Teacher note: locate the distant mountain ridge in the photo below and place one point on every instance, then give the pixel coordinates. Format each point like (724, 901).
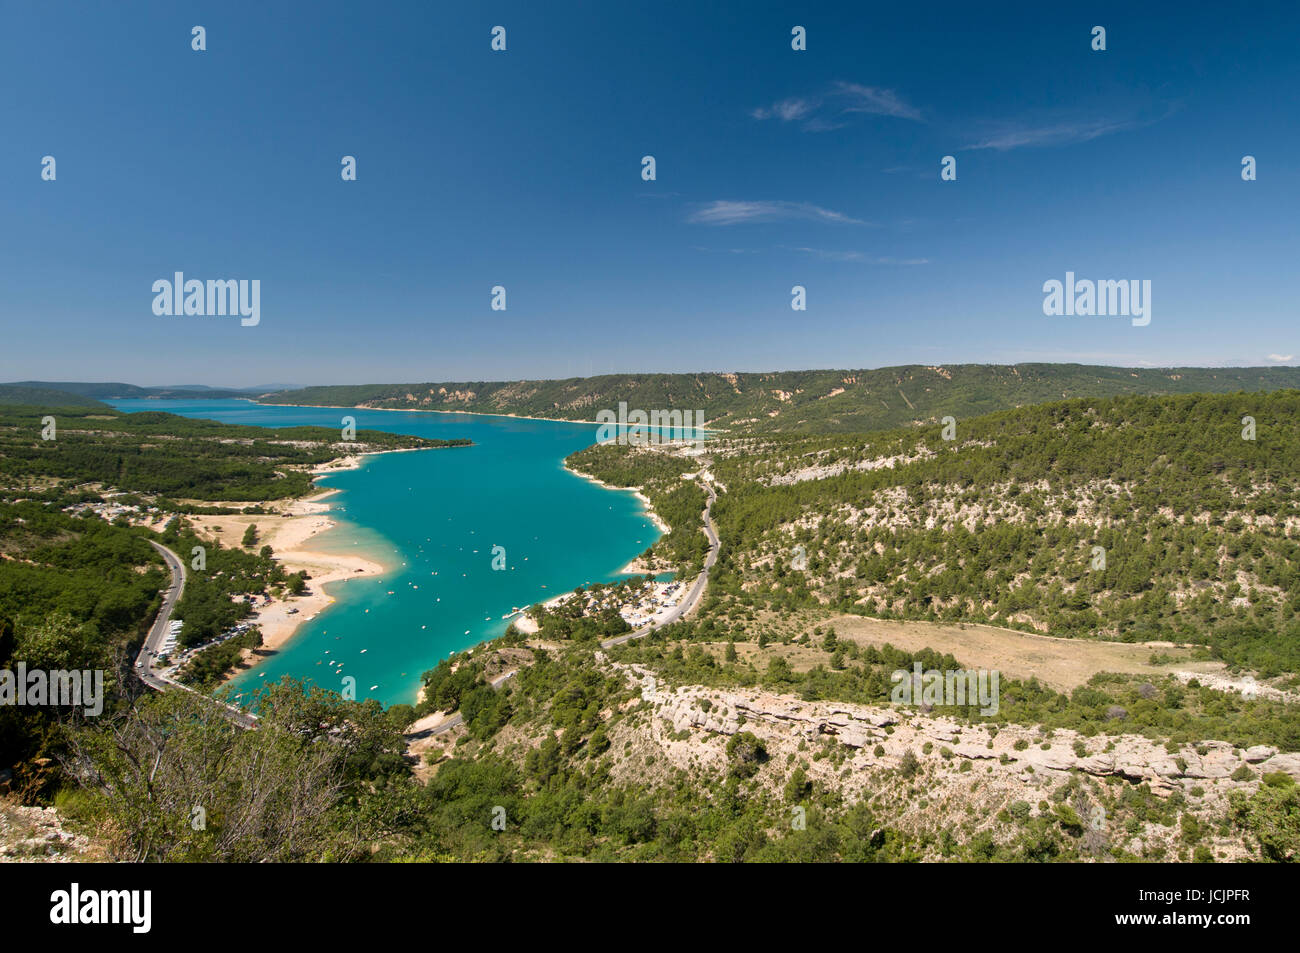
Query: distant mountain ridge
(802, 401)
(121, 391)
(45, 397)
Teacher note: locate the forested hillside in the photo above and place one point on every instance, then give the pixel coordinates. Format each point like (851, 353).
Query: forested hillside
(118, 391)
(172, 456)
(1127, 518)
(823, 401)
(45, 397)
(79, 582)
(1171, 519)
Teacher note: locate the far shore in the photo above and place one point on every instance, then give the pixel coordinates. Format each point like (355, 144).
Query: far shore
(422, 410)
(435, 410)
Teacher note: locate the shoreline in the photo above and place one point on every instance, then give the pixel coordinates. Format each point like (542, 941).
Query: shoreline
(525, 624)
(278, 627)
(646, 506)
(434, 410)
(424, 410)
(288, 531)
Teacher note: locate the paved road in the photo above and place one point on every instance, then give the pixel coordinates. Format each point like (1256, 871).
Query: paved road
(697, 588)
(457, 718)
(153, 641)
(149, 672)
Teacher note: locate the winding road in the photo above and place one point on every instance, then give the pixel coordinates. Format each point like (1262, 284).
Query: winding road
(158, 633)
(146, 660)
(701, 582)
(458, 719)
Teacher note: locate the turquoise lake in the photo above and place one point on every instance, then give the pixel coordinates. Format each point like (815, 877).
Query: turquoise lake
(433, 517)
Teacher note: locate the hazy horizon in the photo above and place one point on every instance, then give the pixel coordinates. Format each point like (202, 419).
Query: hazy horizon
(737, 370)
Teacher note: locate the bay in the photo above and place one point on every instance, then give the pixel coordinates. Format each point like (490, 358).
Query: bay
(432, 518)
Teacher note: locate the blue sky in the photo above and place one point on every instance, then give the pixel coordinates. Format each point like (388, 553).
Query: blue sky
(522, 169)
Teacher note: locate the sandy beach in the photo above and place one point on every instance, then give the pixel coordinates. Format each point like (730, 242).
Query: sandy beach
(640, 566)
(289, 531)
(289, 528)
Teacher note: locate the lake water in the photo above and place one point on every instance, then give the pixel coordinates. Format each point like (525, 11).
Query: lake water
(434, 518)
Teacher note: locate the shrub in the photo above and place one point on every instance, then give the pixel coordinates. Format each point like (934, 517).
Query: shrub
(747, 754)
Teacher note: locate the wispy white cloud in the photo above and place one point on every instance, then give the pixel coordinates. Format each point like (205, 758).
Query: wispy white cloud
(862, 257)
(741, 213)
(786, 109)
(1020, 134)
(1281, 358)
(829, 110)
(875, 101)
(1055, 135)
(913, 171)
(818, 124)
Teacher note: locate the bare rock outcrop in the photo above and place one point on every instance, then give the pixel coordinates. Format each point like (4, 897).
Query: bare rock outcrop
(1012, 748)
(36, 834)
